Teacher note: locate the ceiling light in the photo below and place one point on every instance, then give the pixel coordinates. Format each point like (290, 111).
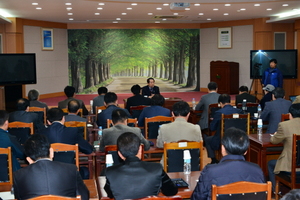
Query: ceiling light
(38, 8)
(134, 4)
(208, 18)
(123, 13)
(187, 9)
(129, 8)
(157, 22)
(101, 4)
(166, 4)
(97, 13)
(243, 9)
(164, 19)
(227, 4)
(158, 8)
(257, 4)
(269, 9)
(201, 14)
(197, 4)
(150, 13)
(285, 4)
(35, 4)
(118, 18)
(99, 8)
(69, 8)
(68, 4)
(70, 13)
(175, 13)
(115, 22)
(295, 9)
(288, 14)
(226, 14)
(71, 19)
(215, 9)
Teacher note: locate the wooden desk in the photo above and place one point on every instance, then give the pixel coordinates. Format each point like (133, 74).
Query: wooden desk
(261, 150)
(92, 187)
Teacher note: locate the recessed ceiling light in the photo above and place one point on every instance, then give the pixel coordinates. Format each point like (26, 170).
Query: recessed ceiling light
(164, 19)
(97, 13)
(165, 4)
(34, 4)
(69, 8)
(226, 14)
(227, 4)
(101, 4)
(157, 22)
(123, 13)
(197, 4)
(215, 9)
(208, 18)
(269, 9)
(118, 18)
(201, 14)
(134, 4)
(70, 13)
(129, 8)
(175, 13)
(257, 4)
(71, 19)
(38, 8)
(158, 8)
(187, 9)
(99, 8)
(115, 22)
(243, 9)
(285, 4)
(68, 4)
(150, 13)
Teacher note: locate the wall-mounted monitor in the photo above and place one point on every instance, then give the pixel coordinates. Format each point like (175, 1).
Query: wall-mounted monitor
(17, 69)
(286, 62)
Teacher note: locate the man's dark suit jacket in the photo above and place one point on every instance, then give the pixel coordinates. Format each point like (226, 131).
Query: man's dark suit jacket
(137, 100)
(106, 114)
(49, 177)
(146, 91)
(58, 133)
(38, 104)
(239, 98)
(64, 104)
(136, 179)
(28, 117)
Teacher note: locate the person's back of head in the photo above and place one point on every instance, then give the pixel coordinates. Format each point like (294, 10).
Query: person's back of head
(33, 95)
(118, 115)
(102, 90)
(136, 89)
(128, 144)
(73, 106)
(110, 97)
(292, 195)
(235, 141)
(37, 146)
(212, 86)
(3, 117)
(181, 108)
(157, 100)
(224, 98)
(243, 88)
(55, 114)
(22, 104)
(278, 93)
(295, 110)
(69, 91)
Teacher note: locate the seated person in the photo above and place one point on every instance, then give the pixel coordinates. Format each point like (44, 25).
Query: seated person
(150, 90)
(111, 103)
(243, 94)
(268, 95)
(212, 143)
(232, 167)
(73, 108)
(137, 99)
(8, 140)
(99, 100)
(33, 97)
(292, 195)
(119, 120)
(284, 134)
(156, 109)
(70, 93)
(44, 176)
(135, 178)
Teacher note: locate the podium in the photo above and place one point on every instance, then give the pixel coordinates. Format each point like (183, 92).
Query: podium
(226, 75)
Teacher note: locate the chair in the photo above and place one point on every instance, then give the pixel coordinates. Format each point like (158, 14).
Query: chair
(65, 153)
(212, 108)
(98, 110)
(242, 190)
(135, 111)
(129, 121)
(173, 155)
(169, 102)
(241, 121)
(41, 113)
(291, 180)
(78, 125)
(6, 175)
(54, 197)
(160, 198)
(21, 130)
(80, 113)
(151, 130)
(251, 108)
(285, 117)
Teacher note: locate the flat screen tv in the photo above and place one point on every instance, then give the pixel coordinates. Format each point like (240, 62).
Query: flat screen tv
(286, 62)
(17, 69)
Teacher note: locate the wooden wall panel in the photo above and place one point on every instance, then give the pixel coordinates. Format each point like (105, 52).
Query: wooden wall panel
(263, 40)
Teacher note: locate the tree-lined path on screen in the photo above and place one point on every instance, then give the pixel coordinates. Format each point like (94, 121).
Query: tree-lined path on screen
(123, 85)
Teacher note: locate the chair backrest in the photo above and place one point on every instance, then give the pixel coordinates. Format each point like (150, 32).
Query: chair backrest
(242, 190)
(170, 102)
(78, 124)
(129, 122)
(21, 130)
(212, 108)
(251, 107)
(80, 113)
(295, 158)
(285, 117)
(54, 197)
(41, 113)
(6, 176)
(135, 111)
(66, 153)
(173, 155)
(241, 121)
(160, 198)
(98, 110)
(151, 130)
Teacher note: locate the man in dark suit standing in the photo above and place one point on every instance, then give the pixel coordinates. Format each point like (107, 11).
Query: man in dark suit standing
(243, 94)
(273, 109)
(137, 99)
(150, 89)
(44, 176)
(212, 143)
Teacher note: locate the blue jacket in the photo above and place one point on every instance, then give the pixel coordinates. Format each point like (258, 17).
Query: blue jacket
(153, 111)
(275, 79)
(232, 168)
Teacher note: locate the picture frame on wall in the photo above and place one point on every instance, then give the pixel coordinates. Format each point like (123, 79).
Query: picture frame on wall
(225, 38)
(47, 39)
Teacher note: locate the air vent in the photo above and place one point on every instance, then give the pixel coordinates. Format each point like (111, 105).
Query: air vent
(168, 16)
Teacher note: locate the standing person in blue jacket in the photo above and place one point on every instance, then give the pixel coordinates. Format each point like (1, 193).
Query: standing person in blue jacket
(272, 75)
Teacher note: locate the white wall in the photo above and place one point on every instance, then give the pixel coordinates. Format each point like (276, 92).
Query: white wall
(242, 43)
(52, 66)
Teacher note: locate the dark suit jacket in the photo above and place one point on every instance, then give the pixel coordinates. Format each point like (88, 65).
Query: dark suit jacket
(266, 98)
(239, 98)
(136, 179)
(38, 104)
(64, 104)
(272, 113)
(73, 117)
(106, 114)
(146, 91)
(58, 133)
(153, 111)
(232, 168)
(49, 177)
(137, 100)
